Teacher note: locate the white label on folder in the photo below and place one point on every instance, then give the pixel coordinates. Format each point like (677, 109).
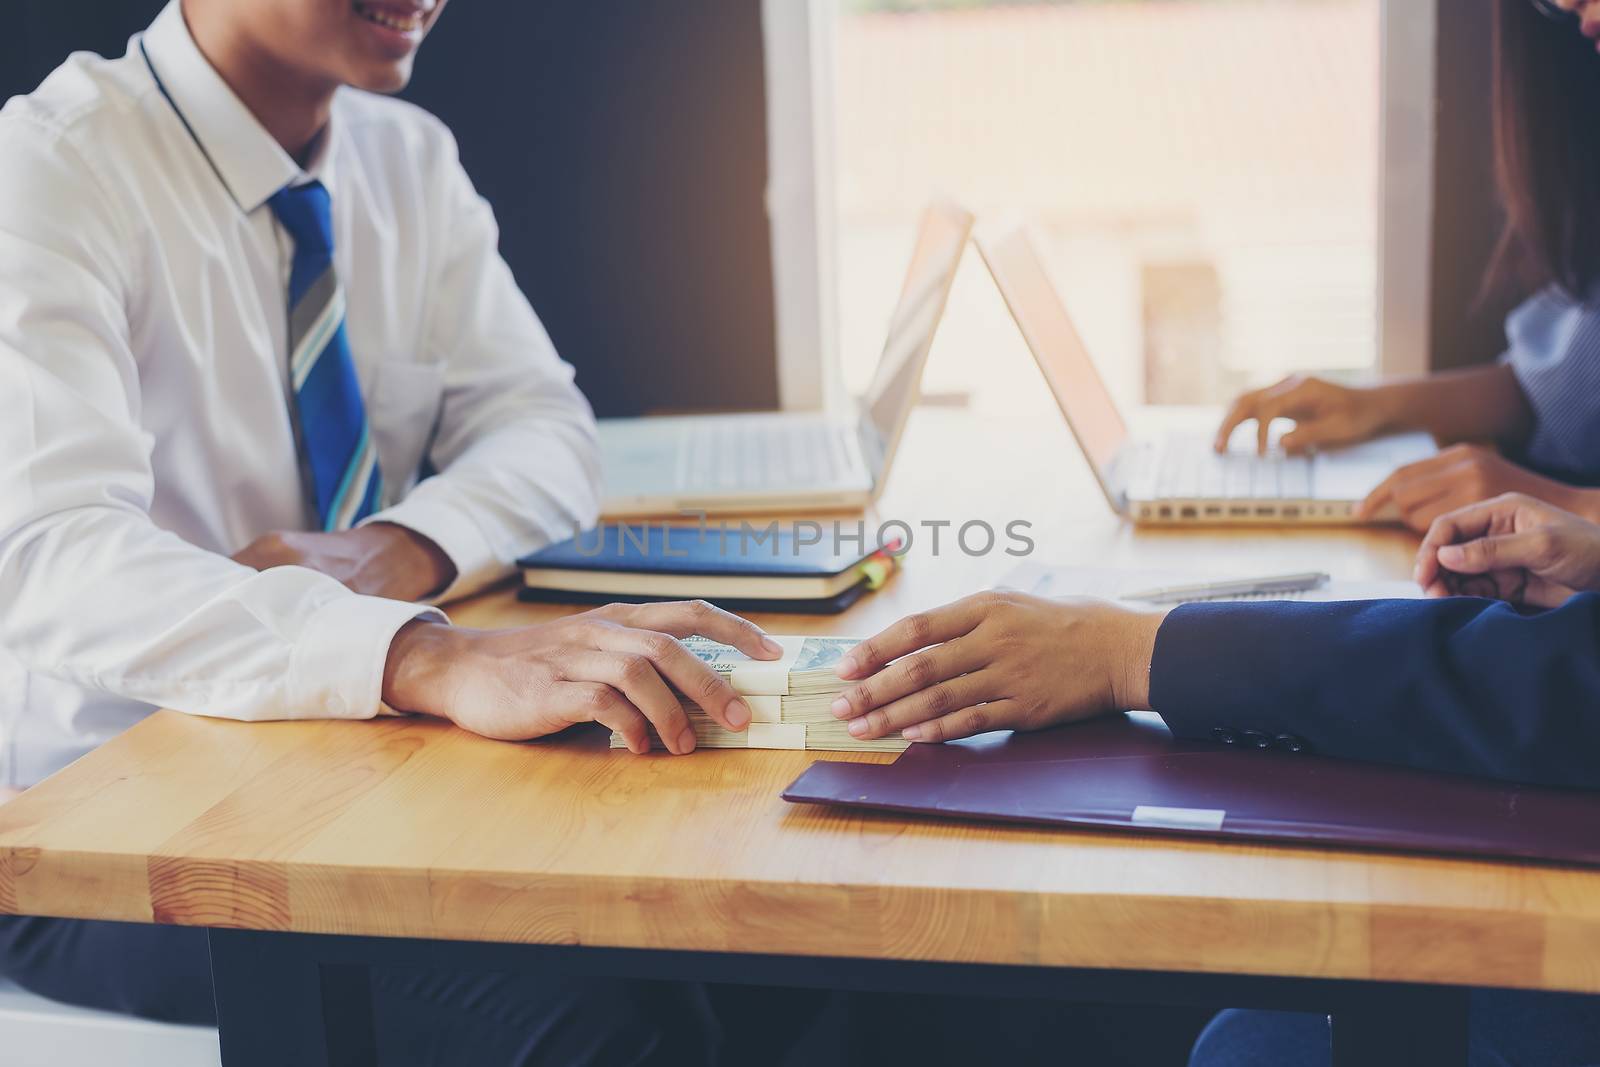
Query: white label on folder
(1179, 818)
(765, 708)
(776, 735)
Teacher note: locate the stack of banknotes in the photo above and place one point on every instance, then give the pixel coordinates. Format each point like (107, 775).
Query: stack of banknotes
(790, 699)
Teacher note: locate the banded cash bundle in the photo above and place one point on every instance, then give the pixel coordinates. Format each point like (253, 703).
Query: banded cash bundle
(789, 699)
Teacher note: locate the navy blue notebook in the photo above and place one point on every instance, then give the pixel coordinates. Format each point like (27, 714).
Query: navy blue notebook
(772, 568)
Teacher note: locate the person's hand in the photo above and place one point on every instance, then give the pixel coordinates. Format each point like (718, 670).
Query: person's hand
(612, 665)
(379, 559)
(1511, 548)
(1457, 476)
(1324, 414)
(998, 660)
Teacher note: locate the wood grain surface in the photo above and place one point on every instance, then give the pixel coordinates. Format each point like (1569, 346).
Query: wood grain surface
(407, 827)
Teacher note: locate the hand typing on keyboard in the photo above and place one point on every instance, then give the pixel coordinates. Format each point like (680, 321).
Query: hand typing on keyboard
(1324, 414)
(1466, 474)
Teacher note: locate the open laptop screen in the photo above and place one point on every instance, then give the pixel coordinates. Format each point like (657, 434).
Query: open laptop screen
(941, 239)
(1060, 352)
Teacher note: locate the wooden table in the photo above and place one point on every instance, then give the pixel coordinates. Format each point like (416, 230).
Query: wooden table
(407, 839)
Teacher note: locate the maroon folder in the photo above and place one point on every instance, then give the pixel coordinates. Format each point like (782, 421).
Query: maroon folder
(1129, 773)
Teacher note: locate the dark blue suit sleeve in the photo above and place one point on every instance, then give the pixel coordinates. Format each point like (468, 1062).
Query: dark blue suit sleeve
(1460, 685)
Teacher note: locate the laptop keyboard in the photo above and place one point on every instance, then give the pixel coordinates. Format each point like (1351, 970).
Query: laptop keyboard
(1190, 470)
(755, 454)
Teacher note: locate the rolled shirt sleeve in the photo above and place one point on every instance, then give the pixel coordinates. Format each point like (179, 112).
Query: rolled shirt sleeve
(1554, 351)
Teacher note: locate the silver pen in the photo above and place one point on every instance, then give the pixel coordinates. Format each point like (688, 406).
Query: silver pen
(1234, 587)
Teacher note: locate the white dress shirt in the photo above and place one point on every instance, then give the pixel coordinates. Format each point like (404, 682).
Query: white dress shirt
(145, 429)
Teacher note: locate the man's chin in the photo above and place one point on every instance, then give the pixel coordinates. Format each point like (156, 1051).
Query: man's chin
(383, 77)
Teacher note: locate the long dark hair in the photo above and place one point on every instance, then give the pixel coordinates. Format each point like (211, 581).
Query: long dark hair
(1547, 151)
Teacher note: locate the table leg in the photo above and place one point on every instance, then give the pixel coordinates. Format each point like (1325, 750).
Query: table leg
(1410, 1027)
(276, 1004)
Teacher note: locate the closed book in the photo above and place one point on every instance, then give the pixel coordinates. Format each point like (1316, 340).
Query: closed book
(764, 566)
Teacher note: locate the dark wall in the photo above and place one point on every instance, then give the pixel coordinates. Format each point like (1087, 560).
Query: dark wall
(41, 33)
(623, 146)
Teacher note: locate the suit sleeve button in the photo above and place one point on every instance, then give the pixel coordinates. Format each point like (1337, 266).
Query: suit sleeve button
(1290, 743)
(1224, 735)
(1256, 739)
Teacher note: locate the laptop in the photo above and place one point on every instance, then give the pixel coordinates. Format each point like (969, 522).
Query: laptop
(792, 461)
(1178, 477)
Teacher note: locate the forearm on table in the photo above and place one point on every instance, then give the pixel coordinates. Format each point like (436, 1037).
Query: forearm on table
(1475, 404)
(102, 598)
(413, 565)
(517, 489)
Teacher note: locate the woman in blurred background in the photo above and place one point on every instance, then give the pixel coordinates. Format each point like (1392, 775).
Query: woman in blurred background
(1540, 405)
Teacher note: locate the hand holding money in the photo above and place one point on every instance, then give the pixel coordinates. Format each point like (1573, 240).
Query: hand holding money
(620, 665)
(789, 698)
(998, 661)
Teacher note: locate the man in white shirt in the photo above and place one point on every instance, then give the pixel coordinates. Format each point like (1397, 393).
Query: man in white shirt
(264, 382)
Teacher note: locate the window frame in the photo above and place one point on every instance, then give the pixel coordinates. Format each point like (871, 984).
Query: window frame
(1408, 124)
(799, 41)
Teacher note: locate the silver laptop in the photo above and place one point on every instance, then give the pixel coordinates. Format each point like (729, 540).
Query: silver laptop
(778, 461)
(1178, 478)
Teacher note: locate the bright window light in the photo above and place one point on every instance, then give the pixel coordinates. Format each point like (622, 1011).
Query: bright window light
(1202, 176)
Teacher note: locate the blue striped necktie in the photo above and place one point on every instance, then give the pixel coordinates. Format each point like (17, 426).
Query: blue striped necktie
(337, 448)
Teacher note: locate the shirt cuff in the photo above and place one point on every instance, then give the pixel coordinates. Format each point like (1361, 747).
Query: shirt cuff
(1226, 667)
(1182, 662)
(1200, 682)
(336, 669)
(445, 524)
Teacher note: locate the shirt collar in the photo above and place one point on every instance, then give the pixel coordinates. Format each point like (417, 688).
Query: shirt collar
(250, 163)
